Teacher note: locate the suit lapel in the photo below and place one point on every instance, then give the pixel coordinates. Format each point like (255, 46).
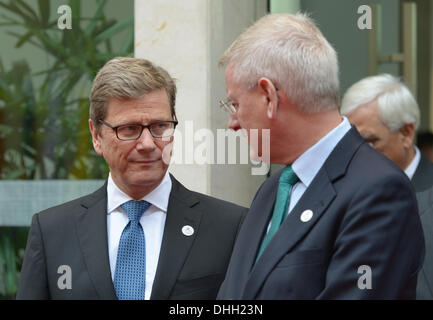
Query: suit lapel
(316, 198)
(257, 224)
(91, 224)
(423, 175)
(249, 239)
(418, 176)
(175, 245)
(291, 231)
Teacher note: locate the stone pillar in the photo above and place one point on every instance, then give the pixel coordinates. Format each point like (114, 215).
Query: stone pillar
(187, 38)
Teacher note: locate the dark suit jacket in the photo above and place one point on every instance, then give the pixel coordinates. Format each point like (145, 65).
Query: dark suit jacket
(75, 234)
(423, 176)
(424, 288)
(364, 214)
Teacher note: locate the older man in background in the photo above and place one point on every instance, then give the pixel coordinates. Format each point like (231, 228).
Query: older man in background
(387, 116)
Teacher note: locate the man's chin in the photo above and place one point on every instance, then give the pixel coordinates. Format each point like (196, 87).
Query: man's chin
(145, 180)
(139, 187)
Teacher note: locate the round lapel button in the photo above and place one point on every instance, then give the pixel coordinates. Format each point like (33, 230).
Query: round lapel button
(187, 230)
(306, 215)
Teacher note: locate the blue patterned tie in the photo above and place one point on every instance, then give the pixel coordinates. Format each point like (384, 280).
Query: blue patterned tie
(130, 274)
(287, 179)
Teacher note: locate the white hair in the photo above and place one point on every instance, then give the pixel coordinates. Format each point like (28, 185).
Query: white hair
(395, 102)
(291, 51)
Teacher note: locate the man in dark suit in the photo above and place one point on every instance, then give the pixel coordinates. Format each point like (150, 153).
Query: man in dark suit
(340, 221)
(142, 235)
(387, 116)
(424, 290)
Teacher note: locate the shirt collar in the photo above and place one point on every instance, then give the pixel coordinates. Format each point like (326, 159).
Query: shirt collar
(158, 197)
(309, 163)
(411, 168)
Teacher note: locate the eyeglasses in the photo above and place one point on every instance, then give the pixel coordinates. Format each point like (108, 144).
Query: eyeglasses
(228, 105)
(158, 129)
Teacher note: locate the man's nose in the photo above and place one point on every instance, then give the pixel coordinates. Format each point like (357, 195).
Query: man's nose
(234, 122)
(146, 141)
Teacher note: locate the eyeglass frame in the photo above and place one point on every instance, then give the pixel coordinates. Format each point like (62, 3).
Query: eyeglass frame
(175, 123)
(227, 103)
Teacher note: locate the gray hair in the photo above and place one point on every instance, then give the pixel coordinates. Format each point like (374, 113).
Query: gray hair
(290, 50)
(128, 78)
(395, 102)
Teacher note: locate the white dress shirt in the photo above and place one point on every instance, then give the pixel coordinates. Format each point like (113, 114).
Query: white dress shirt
(152, 221)
(411, 168)
(308, 164)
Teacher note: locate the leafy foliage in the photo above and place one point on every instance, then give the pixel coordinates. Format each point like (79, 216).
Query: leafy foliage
(12, 243)
(43, 131)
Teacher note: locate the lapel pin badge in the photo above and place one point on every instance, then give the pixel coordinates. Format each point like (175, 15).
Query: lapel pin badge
(306, 215)
(187, 230)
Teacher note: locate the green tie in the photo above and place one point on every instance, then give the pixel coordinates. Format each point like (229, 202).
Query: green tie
(287, 179)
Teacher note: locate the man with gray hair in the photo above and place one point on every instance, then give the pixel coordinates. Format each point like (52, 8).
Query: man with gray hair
(339, 221)
(142, 235)
(387, 116)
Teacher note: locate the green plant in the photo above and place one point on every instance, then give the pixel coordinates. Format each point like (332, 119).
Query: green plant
(12, 243)
(43, 115)
(43, 130)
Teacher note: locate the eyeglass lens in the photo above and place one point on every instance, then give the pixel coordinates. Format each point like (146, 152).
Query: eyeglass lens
(158, 130)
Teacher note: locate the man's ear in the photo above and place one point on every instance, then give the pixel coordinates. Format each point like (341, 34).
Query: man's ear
(407, 134)
(96, 138)
(271, 96)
